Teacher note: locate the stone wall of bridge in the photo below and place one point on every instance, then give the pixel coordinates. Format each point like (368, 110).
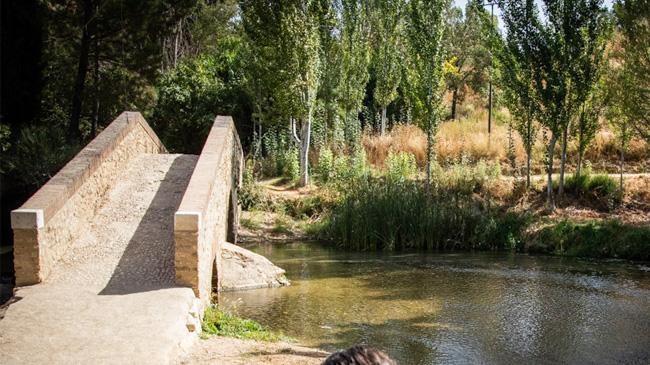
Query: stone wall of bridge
(208, 213)
(46, 225)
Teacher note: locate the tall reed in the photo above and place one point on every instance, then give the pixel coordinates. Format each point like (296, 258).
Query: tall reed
(387, 214)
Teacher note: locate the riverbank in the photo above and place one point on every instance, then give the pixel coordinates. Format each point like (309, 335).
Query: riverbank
(584, 225)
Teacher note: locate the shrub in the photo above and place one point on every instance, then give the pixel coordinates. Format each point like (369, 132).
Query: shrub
(325, 167)
(401, 166)
(601, 189)
(290, 163)
(250, 195)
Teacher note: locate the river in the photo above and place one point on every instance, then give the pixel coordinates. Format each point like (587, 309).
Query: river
(457, 308)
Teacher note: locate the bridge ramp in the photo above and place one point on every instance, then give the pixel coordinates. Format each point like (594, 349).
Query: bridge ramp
(112, 298)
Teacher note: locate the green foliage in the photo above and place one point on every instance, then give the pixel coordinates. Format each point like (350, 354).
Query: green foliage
(350, 169)
(599, 189)
(250, 195)
(39, 153)
(634, 23)
(189, 97)
(596, 239)
(221, 323)
(395, 215)
(291, 165)
(464, 178)
(355, 58)
(5, 144)
(387, 26)
(469, 54)
(400, 166)
(325, 167)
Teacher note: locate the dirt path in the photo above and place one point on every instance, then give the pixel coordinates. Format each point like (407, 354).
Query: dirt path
(231, 351)
(113, 298)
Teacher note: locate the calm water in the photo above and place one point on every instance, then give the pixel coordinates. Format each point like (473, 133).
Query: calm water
(462, 308)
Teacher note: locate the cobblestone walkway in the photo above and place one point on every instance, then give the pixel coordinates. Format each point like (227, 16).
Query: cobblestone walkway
(112, 300)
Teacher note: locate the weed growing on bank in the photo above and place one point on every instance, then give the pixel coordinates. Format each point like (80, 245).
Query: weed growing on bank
(221, 323)
(606, 239)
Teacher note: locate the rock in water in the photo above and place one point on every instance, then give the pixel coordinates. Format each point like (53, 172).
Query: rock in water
(243, 269)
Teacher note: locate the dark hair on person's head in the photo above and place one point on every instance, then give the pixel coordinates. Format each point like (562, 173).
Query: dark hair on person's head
(359, 355)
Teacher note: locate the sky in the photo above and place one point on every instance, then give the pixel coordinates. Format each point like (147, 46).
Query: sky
(461, 4)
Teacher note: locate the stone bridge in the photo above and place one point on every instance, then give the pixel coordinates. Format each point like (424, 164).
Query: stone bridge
(117, 255)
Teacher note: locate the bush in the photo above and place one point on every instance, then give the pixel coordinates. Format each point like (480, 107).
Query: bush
(400, 166)
(291, 164)
(325, 167)
(250, 195)
(601, 189)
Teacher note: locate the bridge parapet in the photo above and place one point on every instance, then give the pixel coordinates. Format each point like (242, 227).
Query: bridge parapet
(209, 206)
(46, 225)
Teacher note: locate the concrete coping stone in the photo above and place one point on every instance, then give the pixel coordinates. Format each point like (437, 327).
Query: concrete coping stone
(52, 196)
(197, 195)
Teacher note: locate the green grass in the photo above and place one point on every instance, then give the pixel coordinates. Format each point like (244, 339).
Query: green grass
(600, 189)
(281, 225)
(595, 239)
(221, 323)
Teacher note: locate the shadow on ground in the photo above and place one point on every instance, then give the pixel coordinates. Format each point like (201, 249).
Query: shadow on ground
(148, 261)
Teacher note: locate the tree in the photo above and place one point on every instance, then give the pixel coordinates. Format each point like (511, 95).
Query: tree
(589, 122)
(330, 51)
(469, 54)
(425, 31)
(515, 66)
(387, 24)
(355, 57)
(286, 32)
(566, 48)
(634, 24)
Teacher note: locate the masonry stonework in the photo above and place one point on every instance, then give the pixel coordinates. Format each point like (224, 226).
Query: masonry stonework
(46, 225)
(201, 223)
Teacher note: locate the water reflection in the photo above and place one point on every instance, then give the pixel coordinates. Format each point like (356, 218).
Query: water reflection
(457, 308)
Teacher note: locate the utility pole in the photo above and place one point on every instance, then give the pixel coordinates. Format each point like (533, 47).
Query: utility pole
(491, 4)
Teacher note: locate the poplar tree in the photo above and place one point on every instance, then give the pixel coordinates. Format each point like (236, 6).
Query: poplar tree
(634, 24)
(387, 30)
(426, 59)
(355, 58)
(565, 48)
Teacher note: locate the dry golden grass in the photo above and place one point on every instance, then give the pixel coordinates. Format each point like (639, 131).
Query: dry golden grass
(463, 140)
(467, 140)
(403, 138)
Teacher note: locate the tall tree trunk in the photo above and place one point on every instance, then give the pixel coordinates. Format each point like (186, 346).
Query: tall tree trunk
(621, 166)
(581, 147)
(549, 169)
(95, 122)
(429, 155)
(74, 134)
(565, 133)
(383, 120)
(529, 146)
(622, 158)
(305, 135)
(454, 101)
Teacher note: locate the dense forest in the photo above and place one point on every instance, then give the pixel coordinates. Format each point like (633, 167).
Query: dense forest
(310, 80)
